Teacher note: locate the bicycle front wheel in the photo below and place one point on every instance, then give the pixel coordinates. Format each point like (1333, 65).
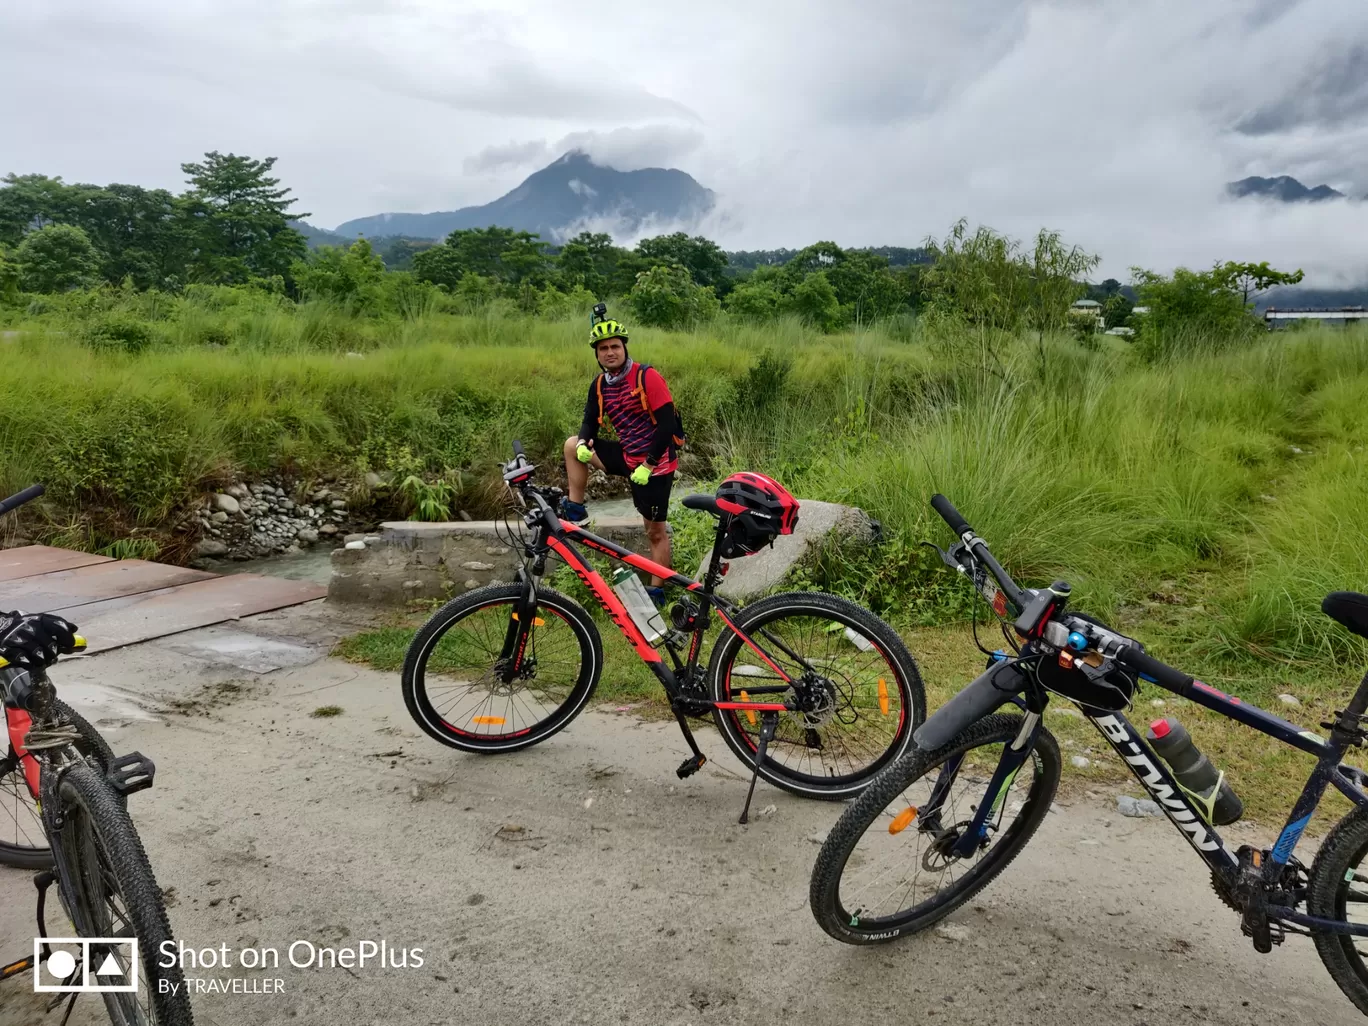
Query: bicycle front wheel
(113, 894)
(455, 678)
(856, 688)
(23, 844)
(1338, 889)
(888, 869)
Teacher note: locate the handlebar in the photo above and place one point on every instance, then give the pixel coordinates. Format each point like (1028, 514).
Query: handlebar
(1161, 673)
(517, 448)
(978, 548)
(19, 498)
(950, 515)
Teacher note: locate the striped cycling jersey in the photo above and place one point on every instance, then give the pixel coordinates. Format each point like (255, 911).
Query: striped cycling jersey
(634, 427)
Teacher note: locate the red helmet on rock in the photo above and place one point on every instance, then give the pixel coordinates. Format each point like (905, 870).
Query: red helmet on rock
(761, 509)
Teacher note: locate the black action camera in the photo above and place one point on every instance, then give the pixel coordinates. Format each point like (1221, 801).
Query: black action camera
(600, 313)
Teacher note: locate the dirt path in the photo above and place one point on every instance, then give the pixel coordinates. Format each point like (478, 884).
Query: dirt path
(580, 882)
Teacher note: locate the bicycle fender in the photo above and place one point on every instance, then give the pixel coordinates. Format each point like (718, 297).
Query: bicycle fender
(996, 685)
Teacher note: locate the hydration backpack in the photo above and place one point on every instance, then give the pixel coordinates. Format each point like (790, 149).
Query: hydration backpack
(638, 389)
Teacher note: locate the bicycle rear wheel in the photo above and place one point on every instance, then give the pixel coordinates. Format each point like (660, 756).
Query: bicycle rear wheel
(453, 678)
(857, 688)
(113, 894)
(1338, 889)
(886, 868)
(23, 843)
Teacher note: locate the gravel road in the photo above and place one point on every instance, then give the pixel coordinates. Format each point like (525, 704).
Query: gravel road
(580, 882)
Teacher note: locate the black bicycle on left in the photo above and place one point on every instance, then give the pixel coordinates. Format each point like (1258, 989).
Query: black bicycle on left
(63, 811)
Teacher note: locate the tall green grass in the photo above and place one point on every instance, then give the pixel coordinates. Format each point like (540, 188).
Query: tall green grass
(1170, 494)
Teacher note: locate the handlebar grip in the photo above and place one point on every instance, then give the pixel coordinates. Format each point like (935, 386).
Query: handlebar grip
(1162, 673)
(19, 498)
(517, 448)
(950, 515)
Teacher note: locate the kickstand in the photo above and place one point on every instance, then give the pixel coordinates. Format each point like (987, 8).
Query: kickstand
(769, 723)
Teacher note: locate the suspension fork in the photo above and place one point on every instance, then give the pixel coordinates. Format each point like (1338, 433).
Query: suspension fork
(524, 616)
(1014, 756)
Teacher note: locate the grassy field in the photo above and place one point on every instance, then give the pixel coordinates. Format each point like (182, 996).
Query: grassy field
(1204, 503)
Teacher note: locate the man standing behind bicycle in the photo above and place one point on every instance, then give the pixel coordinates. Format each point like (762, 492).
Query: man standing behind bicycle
(634, 399)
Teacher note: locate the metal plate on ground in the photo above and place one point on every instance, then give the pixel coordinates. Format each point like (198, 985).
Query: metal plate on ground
(116, 622)
(114, 578)
(32, 560)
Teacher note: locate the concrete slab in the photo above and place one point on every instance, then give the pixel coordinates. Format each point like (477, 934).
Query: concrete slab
(32, 560)
(126, 620)
(221, 646)
(113, 578)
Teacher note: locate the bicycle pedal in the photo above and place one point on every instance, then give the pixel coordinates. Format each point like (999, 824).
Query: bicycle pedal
(691, 765)
(131, 772)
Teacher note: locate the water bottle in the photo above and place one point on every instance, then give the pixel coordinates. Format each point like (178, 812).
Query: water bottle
(1194, 771)
(639, 605)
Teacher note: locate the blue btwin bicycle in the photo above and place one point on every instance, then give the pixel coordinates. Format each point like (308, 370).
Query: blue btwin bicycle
(950, 815)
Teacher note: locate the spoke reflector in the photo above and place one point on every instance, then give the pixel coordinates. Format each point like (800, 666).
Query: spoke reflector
(749, 715)
(493, 721)
(883, 696)
(902, 819)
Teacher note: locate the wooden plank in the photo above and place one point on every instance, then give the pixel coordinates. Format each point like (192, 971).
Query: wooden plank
(129, 619)
(68, 589)
(32, 560)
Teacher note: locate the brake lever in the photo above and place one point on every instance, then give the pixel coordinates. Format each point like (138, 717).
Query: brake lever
(946, 558)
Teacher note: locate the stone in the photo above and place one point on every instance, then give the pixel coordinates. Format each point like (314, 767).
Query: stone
(373, 480)
(354, 537)
(219, 517)
(293, 550)
(1137, 808)
(953, 932)
(471, 584)
(480, 567)
(465, 516)
(320, 495)
(226, 503)
(358, 544)
(1158, 703)
(327, 530)
(287, 504)
(497, 550)
(1079, 762)
(308, 536)
(338, 504)
(1290, 701)
(237, 491)
(210, 547)
(818, 523)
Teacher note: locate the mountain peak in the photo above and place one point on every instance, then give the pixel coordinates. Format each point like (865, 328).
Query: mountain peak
(557, 200)
(1284, 189)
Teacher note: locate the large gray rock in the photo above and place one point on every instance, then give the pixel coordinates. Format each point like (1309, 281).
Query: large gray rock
(414, 560)
(210, 547)
(819, 523)
(226, 503)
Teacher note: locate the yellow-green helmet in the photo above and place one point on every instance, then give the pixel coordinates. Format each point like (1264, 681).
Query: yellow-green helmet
(605, 330)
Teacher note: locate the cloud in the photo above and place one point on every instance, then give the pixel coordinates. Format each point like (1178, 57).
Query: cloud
(878, 121)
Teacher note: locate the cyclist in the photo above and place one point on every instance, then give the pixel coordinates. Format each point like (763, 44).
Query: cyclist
(32, 641)
(635, 400)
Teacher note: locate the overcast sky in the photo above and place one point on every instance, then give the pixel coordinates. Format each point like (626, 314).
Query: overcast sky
(868, 122)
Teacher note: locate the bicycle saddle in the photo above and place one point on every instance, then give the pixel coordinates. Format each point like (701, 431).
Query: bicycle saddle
(707, 503)
(1347, 608)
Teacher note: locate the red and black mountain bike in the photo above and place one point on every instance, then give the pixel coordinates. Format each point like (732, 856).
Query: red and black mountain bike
(813, 692)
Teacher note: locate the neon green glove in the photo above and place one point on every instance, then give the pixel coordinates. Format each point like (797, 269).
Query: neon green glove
(641, 475)
(583, 453)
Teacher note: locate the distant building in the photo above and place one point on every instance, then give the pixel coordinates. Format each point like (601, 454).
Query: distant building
(1089, 308)
(1275, 317)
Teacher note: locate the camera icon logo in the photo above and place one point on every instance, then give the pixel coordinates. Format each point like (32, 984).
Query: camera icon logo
(86, 965)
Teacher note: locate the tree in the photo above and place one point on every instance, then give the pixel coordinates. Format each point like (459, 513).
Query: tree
(977, 279)
(590, 259)
(32, 201)
(814, 300)
(702, 258)
(1054, 276)
(1116, 310)
(9, 279)
(1190, 310)
(758, 298)
(354, 276)
(666, 297)
(57, 258)
(240, 219)
(1253, 280)
(501, 254)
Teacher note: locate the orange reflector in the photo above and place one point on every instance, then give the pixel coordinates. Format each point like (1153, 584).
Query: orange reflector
(537, 621)
(883, 696)
(902, 819)
(749, 715)
(493, 721)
